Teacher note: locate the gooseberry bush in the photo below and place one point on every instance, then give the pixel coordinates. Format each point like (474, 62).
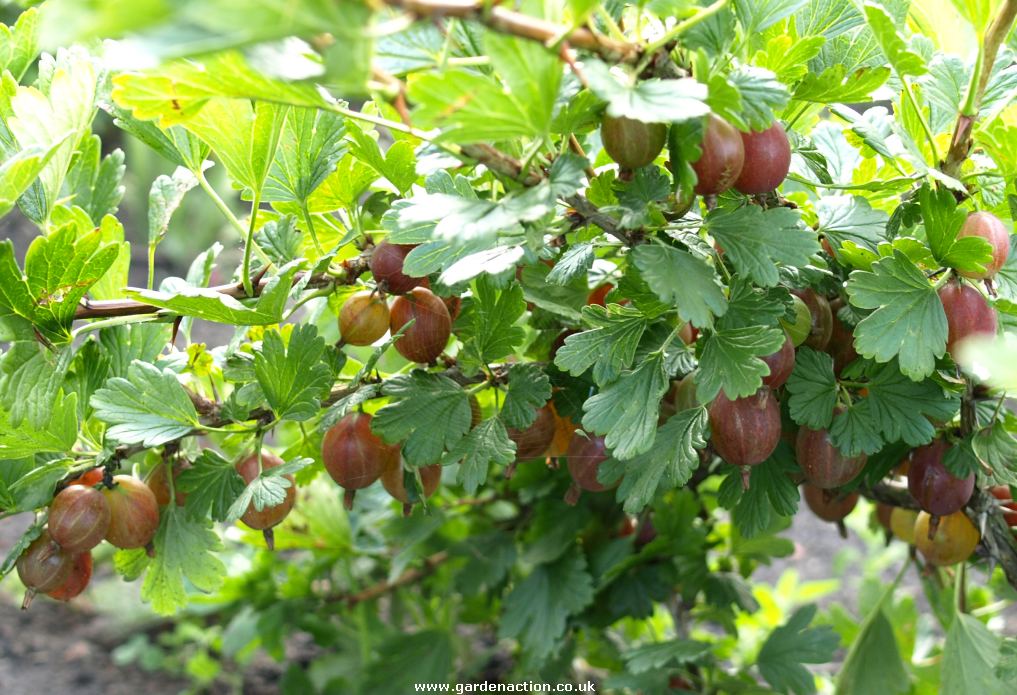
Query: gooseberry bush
(541, 322)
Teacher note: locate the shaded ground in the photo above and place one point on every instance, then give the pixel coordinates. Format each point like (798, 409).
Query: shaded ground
(54, 648)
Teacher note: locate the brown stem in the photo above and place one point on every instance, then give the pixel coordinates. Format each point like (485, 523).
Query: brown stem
(111, 308)
(995, 35)
(410, 576)
(524, 26)
(588, 212)
(500, 163)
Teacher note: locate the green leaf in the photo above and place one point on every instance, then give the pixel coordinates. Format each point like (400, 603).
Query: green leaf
(683, 280)
(874, 662)
(944, 89)
(309, 147)
(149, 407)
(531, 72)
(528, 389)
(1006, 669)
(730, 361)
(978, 12)
(943, 219)
(164, 198)
(111, 285)
(489, 113)
(566, 301)
(960, 459)
(789, 646)
(488, 559)
(853, 431)
(850, 218)
(398, 164)
(19, 45)
(178, 90)
(19, 171)
(280, 239)
(487, 324)
(207, 304)
(908, 321)
(485, 444)
(750, 306)
(904, 61)
(660, 654)
(212, 484)
(669, 464)
(901, 408)
(609, 347)
(771, 493)
(460, 218)
(762, 96)
(139, 341)
(574, 263)
(969, 658)
(184, 549)
(428, 413)
(626, 410)
(536, 610)
(59, 270)
(757, 241)
(31, 376)
(650, 101)
(294, 376)
(243, 134)
(756, 16)
(267, 490)
(639, 199)
(812, 388)
(33, 532)
(94, 183)
(788, 57)
(838, 84)
(996, 447)
(53, 119)
(30, 483)
(405, 660)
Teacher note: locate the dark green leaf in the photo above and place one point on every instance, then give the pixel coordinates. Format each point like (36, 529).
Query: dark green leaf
(793, 644)
(757, 241)
(730, 361)
(813, 389)
(428, 413)
(626, 410)
(528, 389)
(485, 444)
(536, 610)
(212, 484)
(650, 101)
(149, 407)
(683, 280)
(293, 376)
(908, 321)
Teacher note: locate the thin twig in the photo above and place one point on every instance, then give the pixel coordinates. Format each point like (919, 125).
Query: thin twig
(524, 26)
(410, 576)
(995, 35)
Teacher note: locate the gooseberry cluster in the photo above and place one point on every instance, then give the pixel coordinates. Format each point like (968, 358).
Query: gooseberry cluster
(424, 318)
(81, 516)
